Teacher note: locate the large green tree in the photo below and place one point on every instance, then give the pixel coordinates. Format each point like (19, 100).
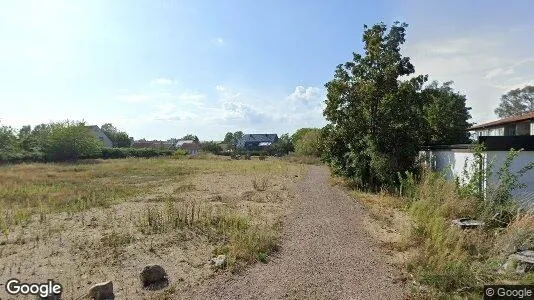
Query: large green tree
(375, 114)
(70, 141)
(446, 114)
(516, 102)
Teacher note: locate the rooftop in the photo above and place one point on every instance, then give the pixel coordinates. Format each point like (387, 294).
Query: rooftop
(507, 120)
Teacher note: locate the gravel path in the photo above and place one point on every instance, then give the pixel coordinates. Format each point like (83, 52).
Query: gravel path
(325, 254)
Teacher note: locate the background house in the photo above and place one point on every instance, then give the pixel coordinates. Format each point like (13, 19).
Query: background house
(498, 137)
(511, 126)
(192, 147)
(100, 135)
(251, 142)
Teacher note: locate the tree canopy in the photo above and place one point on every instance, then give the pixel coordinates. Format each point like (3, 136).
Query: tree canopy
(191, 137)
(446, 115)
(375, 117)
(516, 102)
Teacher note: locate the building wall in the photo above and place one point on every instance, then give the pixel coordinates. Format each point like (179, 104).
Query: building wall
(101, 136)
(453, 162)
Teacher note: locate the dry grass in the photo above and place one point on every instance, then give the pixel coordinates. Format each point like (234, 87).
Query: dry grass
(446, 262)
(87, 223)
(303, 159)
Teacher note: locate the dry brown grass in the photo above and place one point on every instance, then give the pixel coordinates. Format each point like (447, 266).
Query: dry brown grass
(86, 223)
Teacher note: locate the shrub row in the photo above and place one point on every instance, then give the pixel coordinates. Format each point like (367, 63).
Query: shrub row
(19, 157)
(134, 152)
(24, 156)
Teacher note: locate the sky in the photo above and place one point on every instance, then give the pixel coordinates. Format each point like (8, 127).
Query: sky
(161, 69)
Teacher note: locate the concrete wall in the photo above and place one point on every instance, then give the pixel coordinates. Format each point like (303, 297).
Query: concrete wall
(452, 162)
(497, 158)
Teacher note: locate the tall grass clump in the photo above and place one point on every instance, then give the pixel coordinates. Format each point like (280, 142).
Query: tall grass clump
(455, 261)
(234, 235)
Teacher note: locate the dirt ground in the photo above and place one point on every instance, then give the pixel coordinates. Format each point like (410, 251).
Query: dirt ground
(331, 246)
(79, 249)
(327, 252)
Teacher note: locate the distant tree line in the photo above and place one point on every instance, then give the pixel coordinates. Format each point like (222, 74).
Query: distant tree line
(65, 141)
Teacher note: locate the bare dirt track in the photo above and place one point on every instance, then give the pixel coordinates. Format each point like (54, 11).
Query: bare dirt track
(326, 253)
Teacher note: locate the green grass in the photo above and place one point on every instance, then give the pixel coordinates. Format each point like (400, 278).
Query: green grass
(459, 262)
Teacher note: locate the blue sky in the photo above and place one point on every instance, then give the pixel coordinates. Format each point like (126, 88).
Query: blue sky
(161, 69)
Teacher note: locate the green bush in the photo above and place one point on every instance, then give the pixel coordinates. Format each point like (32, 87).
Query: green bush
(71, 141)
(134, 152)
(180, 153)
(309, 143)
(23, 156)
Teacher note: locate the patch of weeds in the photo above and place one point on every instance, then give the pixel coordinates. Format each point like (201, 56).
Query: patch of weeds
(260, 184)
(262, 257)
(116, 239)
(185, 188)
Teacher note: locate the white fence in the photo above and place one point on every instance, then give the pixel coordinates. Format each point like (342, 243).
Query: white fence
(453, 163)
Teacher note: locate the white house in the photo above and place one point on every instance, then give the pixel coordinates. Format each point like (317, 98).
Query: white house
(100, 135)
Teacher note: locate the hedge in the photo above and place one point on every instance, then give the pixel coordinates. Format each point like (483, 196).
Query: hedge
(106, 153)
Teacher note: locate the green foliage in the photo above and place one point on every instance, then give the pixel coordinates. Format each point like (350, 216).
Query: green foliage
(191, 137)
(282, 146)
(516, 102)
(446, 115)
(375, 117)
(134, 152)
(212, 147)
(119, 139)
(300, 133)
(228, 138)
(179, 153)
(22, 156)
(451, 260)
(309, 143)
(7, 139)
(70, 141)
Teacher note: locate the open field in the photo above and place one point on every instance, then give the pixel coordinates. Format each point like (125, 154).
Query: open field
(105, 220)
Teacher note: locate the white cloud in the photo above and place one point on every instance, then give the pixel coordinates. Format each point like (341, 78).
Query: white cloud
(482, 66)
(306, 95)
(163, 81)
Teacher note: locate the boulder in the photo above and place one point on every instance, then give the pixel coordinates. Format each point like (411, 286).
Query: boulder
(154, 277)
(101, 291)
(219, 261)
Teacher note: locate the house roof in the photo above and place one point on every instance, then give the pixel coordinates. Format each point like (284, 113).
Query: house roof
(269, 138)
(512, 119)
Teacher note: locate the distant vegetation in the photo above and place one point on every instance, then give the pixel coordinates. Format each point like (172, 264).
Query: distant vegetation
(516, 102)
(65, 141)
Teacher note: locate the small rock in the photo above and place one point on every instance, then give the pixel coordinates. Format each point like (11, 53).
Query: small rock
(219, 261)
(101, 291)
(154, 277)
